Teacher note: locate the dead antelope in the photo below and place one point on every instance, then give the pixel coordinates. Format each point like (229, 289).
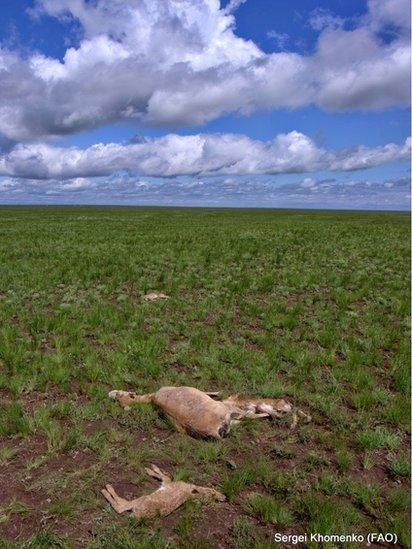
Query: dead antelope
(154, 296)
(199, 414)
(165, 500)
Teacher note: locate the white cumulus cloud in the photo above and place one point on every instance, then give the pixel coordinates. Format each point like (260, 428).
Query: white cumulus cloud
(202, 154)
(163, 62)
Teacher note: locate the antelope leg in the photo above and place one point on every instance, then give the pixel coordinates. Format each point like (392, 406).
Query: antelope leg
(257, 416)
(120, 505)
(157, 473)
(214, 394)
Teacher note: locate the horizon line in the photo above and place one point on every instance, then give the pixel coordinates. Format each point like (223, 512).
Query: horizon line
(170, 206)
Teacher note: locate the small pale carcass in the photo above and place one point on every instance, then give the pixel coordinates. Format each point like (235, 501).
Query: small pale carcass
(166, 499)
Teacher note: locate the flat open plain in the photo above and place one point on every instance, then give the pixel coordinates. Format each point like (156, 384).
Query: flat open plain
(304, 304)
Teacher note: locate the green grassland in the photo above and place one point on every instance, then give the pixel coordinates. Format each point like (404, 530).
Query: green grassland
(309, 305)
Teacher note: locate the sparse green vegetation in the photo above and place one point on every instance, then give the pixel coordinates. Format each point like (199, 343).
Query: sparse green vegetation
(243, 535)
(309, 305)
(400, 466)
(269, 510)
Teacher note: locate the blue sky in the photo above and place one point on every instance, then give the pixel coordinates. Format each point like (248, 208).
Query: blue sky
(239, 103)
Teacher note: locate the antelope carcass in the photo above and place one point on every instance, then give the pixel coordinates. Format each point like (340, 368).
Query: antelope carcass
(166, 499)
(199, 414)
